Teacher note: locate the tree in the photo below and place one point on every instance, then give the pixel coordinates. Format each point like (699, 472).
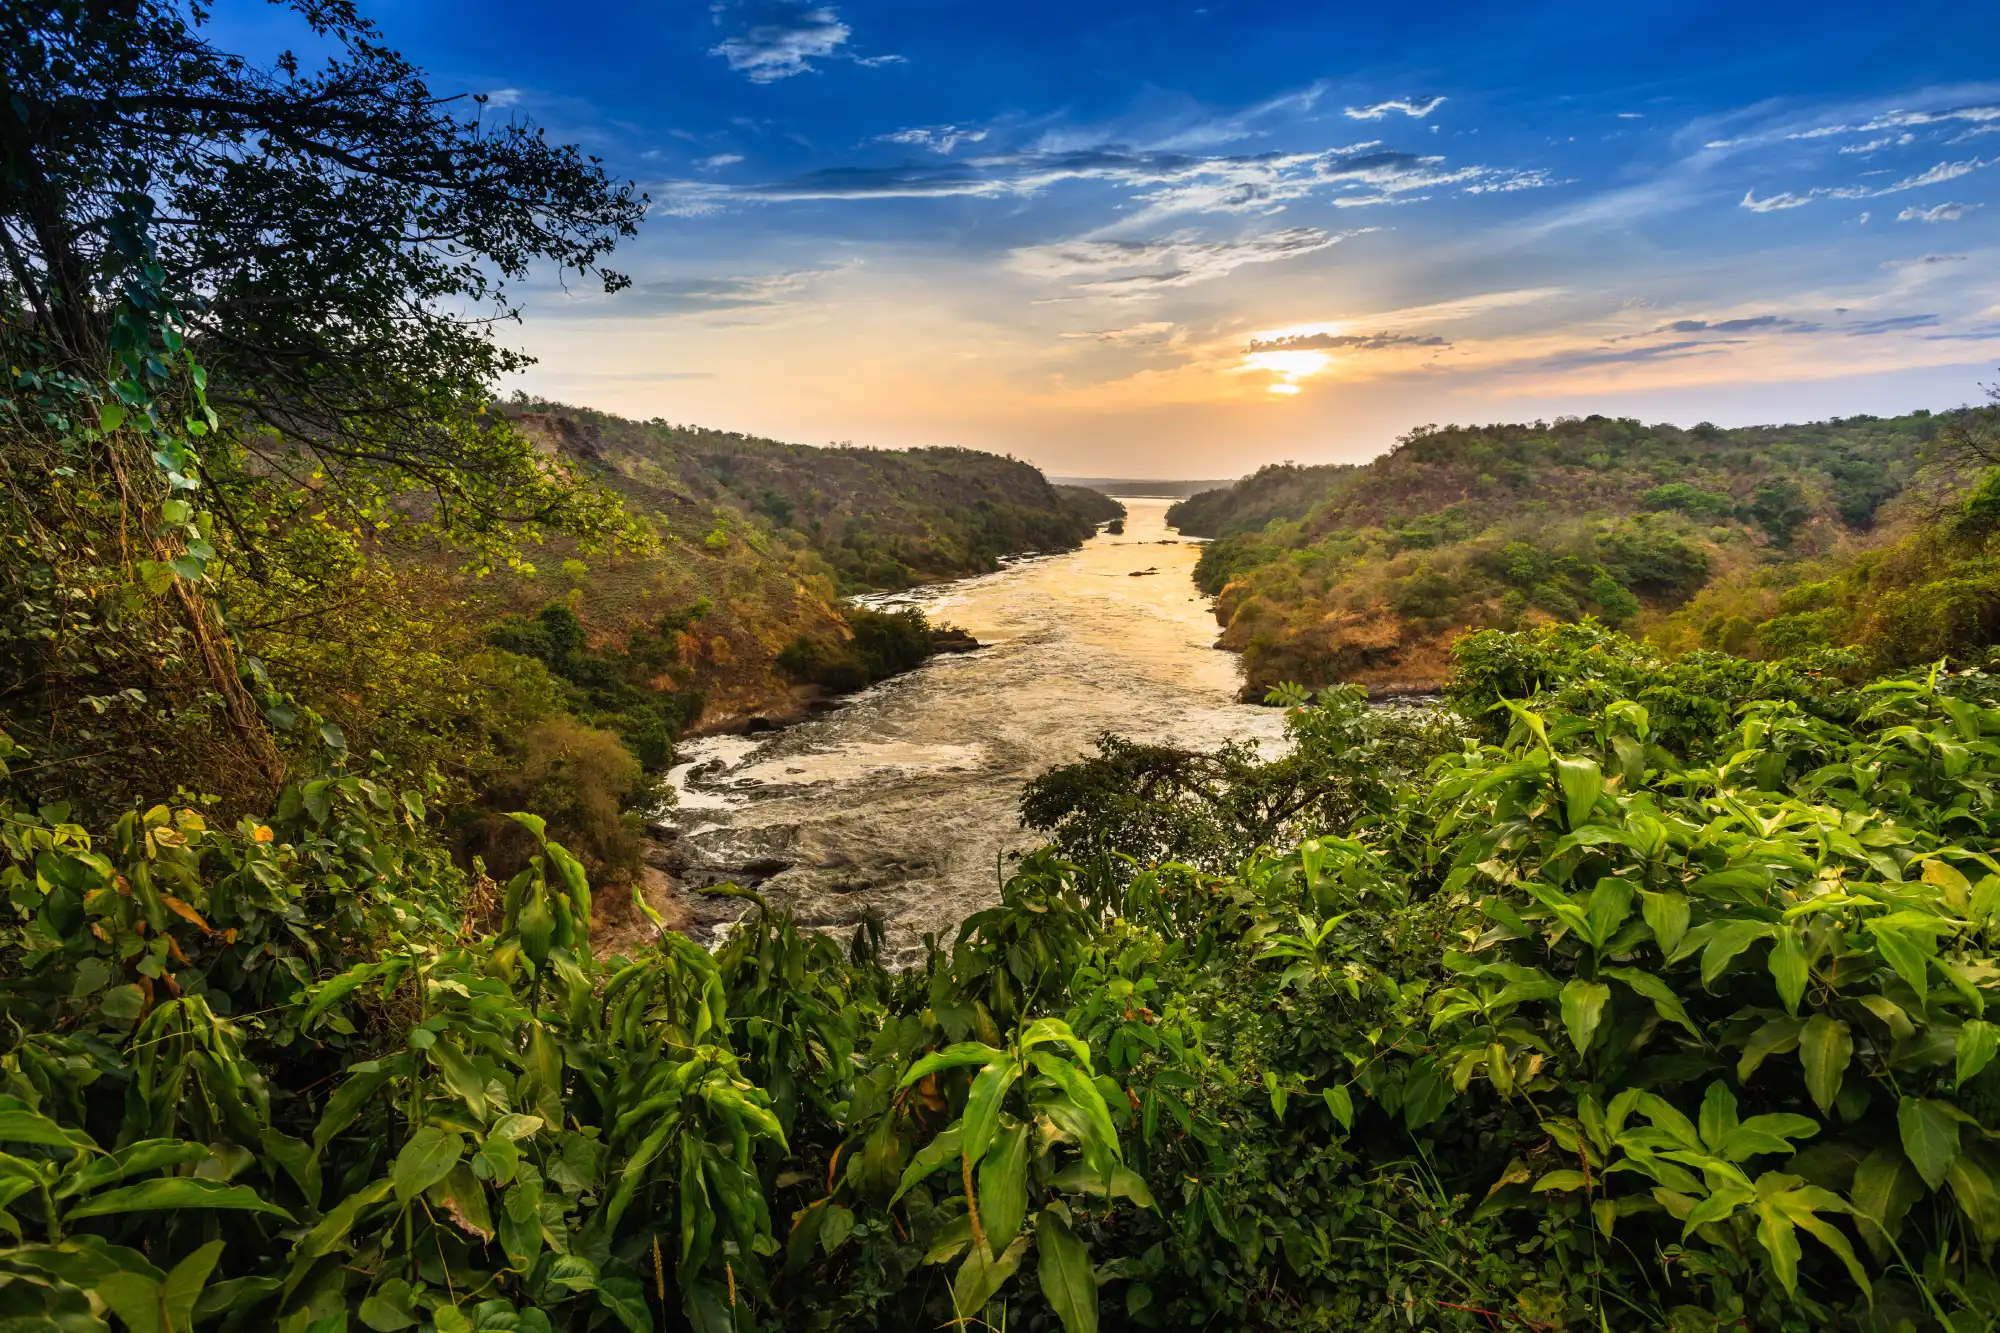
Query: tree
(249, 315)
(336, 242)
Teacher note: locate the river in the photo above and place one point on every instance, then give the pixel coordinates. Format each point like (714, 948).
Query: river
(903, 802)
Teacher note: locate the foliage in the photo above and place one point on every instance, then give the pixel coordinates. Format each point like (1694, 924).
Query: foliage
(1367, 573)
(877, 518)
(1580, 1025)
(617, 690)
(881, 644)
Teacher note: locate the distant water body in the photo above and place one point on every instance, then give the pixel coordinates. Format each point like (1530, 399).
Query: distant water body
(904, 802)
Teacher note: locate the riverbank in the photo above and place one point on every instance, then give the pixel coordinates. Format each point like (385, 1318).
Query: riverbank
(901, 801)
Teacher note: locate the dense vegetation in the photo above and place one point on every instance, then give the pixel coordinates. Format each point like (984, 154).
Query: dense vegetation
(1367, 573)
(1629, 992)
(1582, 1020)
(878, 518)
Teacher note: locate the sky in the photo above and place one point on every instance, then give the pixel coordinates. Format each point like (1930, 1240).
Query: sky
(1164, 239)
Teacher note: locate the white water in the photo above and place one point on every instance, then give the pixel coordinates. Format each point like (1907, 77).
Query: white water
(902, 802)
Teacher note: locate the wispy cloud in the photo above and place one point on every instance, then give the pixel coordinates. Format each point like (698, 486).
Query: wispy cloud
(1326, 342)
(1172, 183)
(503, 97)
(708, 295)
(1948, 212)
(1145, 267)
(778, 39)
(937, 138)
(1154, 333)
(1748, 324)
(1922, 261)
(1937, 175)
(717, 160)
(1415, 107)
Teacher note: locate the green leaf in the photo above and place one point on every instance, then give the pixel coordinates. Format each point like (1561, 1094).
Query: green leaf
(1003, 1186)
(1067, 1278)
(1582, 783)
(1083, 1094)
(1665, 1002)
(1727, 942)
(28, 1127)
(1907, 951)
(1977, 1194)
(1340, 1103)
(1582, 1008)
(1977, 1042)
(1826, 1045)
(1667, 914)
(1718, 1114)
(1885, 1185)
(954, 1056)
(982, 1105)
(460, 1076)
(981, 1276)
(933, 1156)
(426, 1159)
(1788, 965)
(165, 1306)
(1610, 902)
(1774, 1038)
(175, 1192)
(1930, 1137)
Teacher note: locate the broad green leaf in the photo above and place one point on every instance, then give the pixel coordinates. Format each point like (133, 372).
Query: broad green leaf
(1907, 951)
(1003, 1186)
(1582, 1008)
(933, 1156)
(1667, 914)
(1125, 1183)
(1665, 1002)
(1977, 1042)
(426, 1159)
(1774, 1038)
(1788, 965)
(1067, 1277)
(983, 1103)
(1727, 942)
(1582, 783)
(1785, 1202)
(1718, 1114)
(1930, 1137)
(175, 1192)
(1885, 1185)
(1083, 1094)
(951, 1057)
(1826, 1045)
(1340, 1103)
(1977, 1194)
(165, 1306)
(1610, 902)
(28, 1127)
(460, 1076)
(981, 1276)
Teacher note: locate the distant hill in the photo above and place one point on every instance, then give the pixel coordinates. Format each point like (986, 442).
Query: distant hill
(760, 540)
(1139, 488)
(1367, 572)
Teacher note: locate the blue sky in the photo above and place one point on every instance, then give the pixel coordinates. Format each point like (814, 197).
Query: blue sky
(1174, 239)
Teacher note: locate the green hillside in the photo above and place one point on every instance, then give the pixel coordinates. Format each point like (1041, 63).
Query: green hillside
(879, 518)
(1367, 572)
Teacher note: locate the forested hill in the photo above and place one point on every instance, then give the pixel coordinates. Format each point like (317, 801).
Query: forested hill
(881, 518)
(1366, 572)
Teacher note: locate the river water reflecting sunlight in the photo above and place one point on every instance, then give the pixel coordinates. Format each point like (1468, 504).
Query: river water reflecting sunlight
(903, 801)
